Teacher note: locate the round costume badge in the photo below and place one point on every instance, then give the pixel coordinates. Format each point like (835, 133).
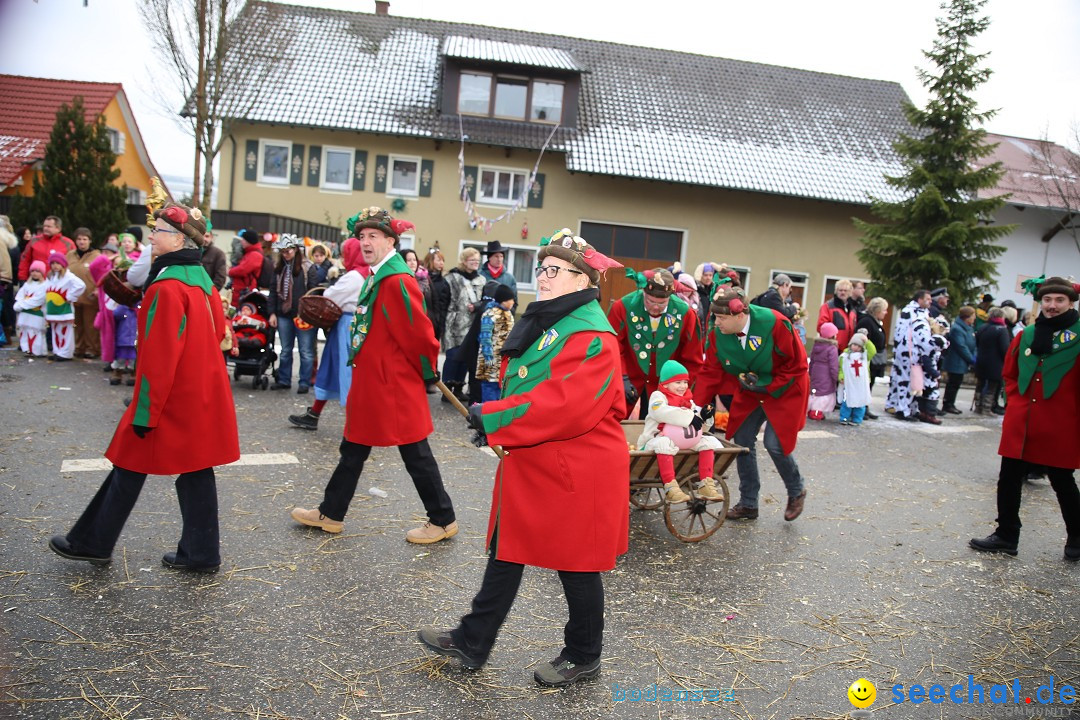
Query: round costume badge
(660, 344)
(1028, 351)
(523, 372)
(648, 346)
(643, 354)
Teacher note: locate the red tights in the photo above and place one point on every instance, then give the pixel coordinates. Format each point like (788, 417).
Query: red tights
(705, 461)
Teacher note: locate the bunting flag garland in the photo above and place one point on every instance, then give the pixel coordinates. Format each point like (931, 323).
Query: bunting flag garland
(476, 220)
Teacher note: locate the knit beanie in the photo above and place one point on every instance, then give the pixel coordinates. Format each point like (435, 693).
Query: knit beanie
(503, 293)
(828, 330)
(857, 339)
(673, 371)
(39, 266)
(55, 257)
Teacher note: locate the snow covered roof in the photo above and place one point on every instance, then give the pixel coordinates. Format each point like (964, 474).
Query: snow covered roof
(642, 112)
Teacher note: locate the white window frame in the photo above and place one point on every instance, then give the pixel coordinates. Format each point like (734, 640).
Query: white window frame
(739, 268)
(527, 284)
(336, 187)
(390, 190)
(408, 242)
(273, 181)
(116, 140)
(480, 200)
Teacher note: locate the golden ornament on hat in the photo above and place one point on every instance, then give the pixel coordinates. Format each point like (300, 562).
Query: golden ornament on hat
(523, 372)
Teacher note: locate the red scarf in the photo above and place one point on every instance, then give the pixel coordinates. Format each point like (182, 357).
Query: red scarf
(682, 401)
(495, 273)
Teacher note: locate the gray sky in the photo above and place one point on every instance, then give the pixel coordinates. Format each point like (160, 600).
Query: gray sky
(1035, 58)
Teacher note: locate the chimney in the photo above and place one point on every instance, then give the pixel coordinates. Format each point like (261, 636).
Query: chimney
(382, 7)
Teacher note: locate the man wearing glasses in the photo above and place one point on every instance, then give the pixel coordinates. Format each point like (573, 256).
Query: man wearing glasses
(653, 326)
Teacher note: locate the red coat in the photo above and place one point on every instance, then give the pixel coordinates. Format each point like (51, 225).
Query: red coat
(687, 340)
(1040, 430)
(182, 388)
(785, 366)
(844, 320)
(388, 401)
(245, 274)
(39, 249)
(561, 494)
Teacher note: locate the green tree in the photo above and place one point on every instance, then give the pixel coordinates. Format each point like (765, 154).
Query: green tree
(76, 180)
(941, 232)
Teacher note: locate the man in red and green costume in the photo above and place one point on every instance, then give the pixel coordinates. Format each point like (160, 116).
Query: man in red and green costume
(653, 326)
(393, 353)
(182, 420)
(755, 353)
(1042, 415)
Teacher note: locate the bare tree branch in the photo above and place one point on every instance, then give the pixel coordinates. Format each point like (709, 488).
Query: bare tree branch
(1056, 169)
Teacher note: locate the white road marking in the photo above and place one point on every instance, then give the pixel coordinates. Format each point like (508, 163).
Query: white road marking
(949, 429)
(98, 464)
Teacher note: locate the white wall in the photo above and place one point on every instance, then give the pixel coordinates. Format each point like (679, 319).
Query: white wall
(1026, 255)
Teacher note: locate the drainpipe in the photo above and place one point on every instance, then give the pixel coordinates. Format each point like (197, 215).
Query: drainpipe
(232, 171)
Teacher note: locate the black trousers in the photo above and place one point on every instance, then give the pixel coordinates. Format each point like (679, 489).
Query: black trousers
(419, 463)
(98, 529)
(952, 387)
(1010, 484)
(583, 634)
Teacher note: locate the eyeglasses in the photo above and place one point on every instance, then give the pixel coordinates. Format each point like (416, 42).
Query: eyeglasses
(169, 231)
(552, 271)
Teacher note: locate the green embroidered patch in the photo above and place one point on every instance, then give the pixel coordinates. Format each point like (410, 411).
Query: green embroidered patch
(495, 421)
(594, 348)
(150, 318)
(183, 324)
(425, 368)
(604, 387)
(405, 297)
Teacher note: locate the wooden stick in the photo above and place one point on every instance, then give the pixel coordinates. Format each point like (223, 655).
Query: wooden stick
(463, 410)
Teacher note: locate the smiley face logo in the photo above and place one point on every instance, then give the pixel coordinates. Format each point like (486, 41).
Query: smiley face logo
(862, 693)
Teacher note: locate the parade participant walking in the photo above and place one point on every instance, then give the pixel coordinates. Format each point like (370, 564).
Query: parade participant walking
(181, 391)
(653, 327)
(393, 352)
(911, 342)
(759, 349)
(1042, 416)
(560, 498)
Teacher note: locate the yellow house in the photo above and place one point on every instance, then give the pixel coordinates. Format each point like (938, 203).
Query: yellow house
(28, 109)
(477, 134)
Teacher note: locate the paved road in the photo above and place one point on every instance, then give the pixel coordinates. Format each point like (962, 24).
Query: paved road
(875, 580)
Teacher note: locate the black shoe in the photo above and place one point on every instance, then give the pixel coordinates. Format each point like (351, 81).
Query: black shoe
(869, 415)
(57, 358)
(998, 410)
(952, 410)
(169, 561)
(993, 543)
(307, 421)
(115, 381)
(59, 545)
(280, 386)
(561, 672)
(108, 368)
(443, 644)
(302, 390)
(1072, 554)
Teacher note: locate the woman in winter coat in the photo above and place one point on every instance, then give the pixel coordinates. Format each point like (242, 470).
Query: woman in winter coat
(466, 291)
(872, 320)
(9, 263)
(437, 294)
(566, 465)
(292, 278)
(960, 357)
(991, 342)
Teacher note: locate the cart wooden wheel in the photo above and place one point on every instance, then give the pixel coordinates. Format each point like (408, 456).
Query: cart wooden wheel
(647, 498)
(698, 518)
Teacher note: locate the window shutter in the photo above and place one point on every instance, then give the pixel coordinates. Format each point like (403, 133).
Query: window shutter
(382, 169)
(314, 165)
(471, 171)
(536, 192)
(296, 165)
(120, 150)
(427, 170)
(251, 160)
(359, 170)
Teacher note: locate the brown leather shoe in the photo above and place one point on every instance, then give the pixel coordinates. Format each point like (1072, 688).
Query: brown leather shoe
(741, 512)
(928, 418)
(314, 518)
(430, 533)
(795, 506)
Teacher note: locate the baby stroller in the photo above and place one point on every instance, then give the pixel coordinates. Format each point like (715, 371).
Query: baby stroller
(256, 356)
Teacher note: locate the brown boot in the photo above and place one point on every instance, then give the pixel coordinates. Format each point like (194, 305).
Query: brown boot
(795, 506)
(117, 376)
(130, 381)
(674, 493)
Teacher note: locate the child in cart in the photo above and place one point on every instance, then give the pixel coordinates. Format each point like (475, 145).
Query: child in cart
(249, 328)
(675, 423)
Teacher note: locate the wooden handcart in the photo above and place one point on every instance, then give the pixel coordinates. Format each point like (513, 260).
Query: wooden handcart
(696, 519)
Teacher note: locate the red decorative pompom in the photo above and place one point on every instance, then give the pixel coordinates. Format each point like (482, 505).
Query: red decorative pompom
(736, 306)
(400, 226)
(176, 214)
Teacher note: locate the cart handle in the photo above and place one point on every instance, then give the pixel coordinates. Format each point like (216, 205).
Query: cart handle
(463, 410)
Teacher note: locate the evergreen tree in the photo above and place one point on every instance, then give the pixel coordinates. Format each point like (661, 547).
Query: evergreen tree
(76, 181)
(939, 233)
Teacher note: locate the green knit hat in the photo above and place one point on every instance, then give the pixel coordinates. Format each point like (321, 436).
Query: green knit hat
(672, 371)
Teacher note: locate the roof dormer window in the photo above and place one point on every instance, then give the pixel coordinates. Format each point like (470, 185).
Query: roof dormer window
(510, 97)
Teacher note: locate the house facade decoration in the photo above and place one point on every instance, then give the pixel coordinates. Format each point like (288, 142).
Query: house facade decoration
(652, 155)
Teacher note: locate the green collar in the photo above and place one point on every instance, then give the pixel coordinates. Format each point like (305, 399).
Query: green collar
(192, 275)
(1054, 365)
